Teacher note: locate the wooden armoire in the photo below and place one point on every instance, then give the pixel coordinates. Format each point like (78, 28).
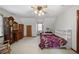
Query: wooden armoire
(12, 30)
(8, 23)
(15, 31)
(21, 31)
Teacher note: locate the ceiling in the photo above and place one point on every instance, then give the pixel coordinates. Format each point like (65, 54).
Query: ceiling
(27, 11)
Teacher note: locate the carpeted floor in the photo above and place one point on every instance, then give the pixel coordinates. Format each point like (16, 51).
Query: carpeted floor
(30, 46)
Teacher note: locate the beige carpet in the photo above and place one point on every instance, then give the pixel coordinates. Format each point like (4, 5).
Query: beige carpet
(30, 46)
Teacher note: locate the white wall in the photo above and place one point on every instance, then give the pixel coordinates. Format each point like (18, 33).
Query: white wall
(5, 13)
(28, 21)
(48, 22)
(68, 20)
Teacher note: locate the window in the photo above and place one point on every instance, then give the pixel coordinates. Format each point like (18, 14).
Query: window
(40, 26)
(1, 26)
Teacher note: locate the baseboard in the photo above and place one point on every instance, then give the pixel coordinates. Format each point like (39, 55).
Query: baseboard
(74, 50)
(34, 36)
(31, 36)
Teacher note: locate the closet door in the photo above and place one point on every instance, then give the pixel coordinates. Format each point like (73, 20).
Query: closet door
(29, 30)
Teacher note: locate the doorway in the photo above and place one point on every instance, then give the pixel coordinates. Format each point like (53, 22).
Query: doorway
(29, 30)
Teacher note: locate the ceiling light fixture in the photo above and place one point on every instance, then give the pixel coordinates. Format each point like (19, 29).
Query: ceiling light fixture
(39, 9)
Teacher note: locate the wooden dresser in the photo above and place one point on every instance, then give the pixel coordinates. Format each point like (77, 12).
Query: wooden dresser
(12, 30)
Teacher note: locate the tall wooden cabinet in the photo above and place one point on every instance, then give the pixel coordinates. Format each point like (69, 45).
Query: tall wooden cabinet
(15, 31)
(8, 22)
(12, 30)
(21, 31)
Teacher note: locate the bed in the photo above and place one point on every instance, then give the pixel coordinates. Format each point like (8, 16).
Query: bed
(50, 40)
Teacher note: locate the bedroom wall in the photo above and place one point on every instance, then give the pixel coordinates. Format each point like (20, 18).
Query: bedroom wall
(68, 20)
(4, 14)
(48, 22)
(28, 21)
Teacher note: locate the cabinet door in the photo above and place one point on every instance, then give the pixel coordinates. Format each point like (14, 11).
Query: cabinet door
(21, 31)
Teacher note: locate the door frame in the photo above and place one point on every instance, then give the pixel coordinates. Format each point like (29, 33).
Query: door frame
(31, 31)
(77, 31)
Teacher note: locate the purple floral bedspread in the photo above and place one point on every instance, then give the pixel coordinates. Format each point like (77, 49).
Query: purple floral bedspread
(49, 40)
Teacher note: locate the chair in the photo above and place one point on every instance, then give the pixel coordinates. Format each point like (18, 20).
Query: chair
(5, 48)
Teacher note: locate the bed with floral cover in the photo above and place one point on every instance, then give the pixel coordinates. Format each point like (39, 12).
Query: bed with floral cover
(49, 40)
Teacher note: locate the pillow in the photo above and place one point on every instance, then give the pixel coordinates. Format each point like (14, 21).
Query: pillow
(46, 34)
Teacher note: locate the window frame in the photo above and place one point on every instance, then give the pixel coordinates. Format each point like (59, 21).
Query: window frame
(38, 27)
